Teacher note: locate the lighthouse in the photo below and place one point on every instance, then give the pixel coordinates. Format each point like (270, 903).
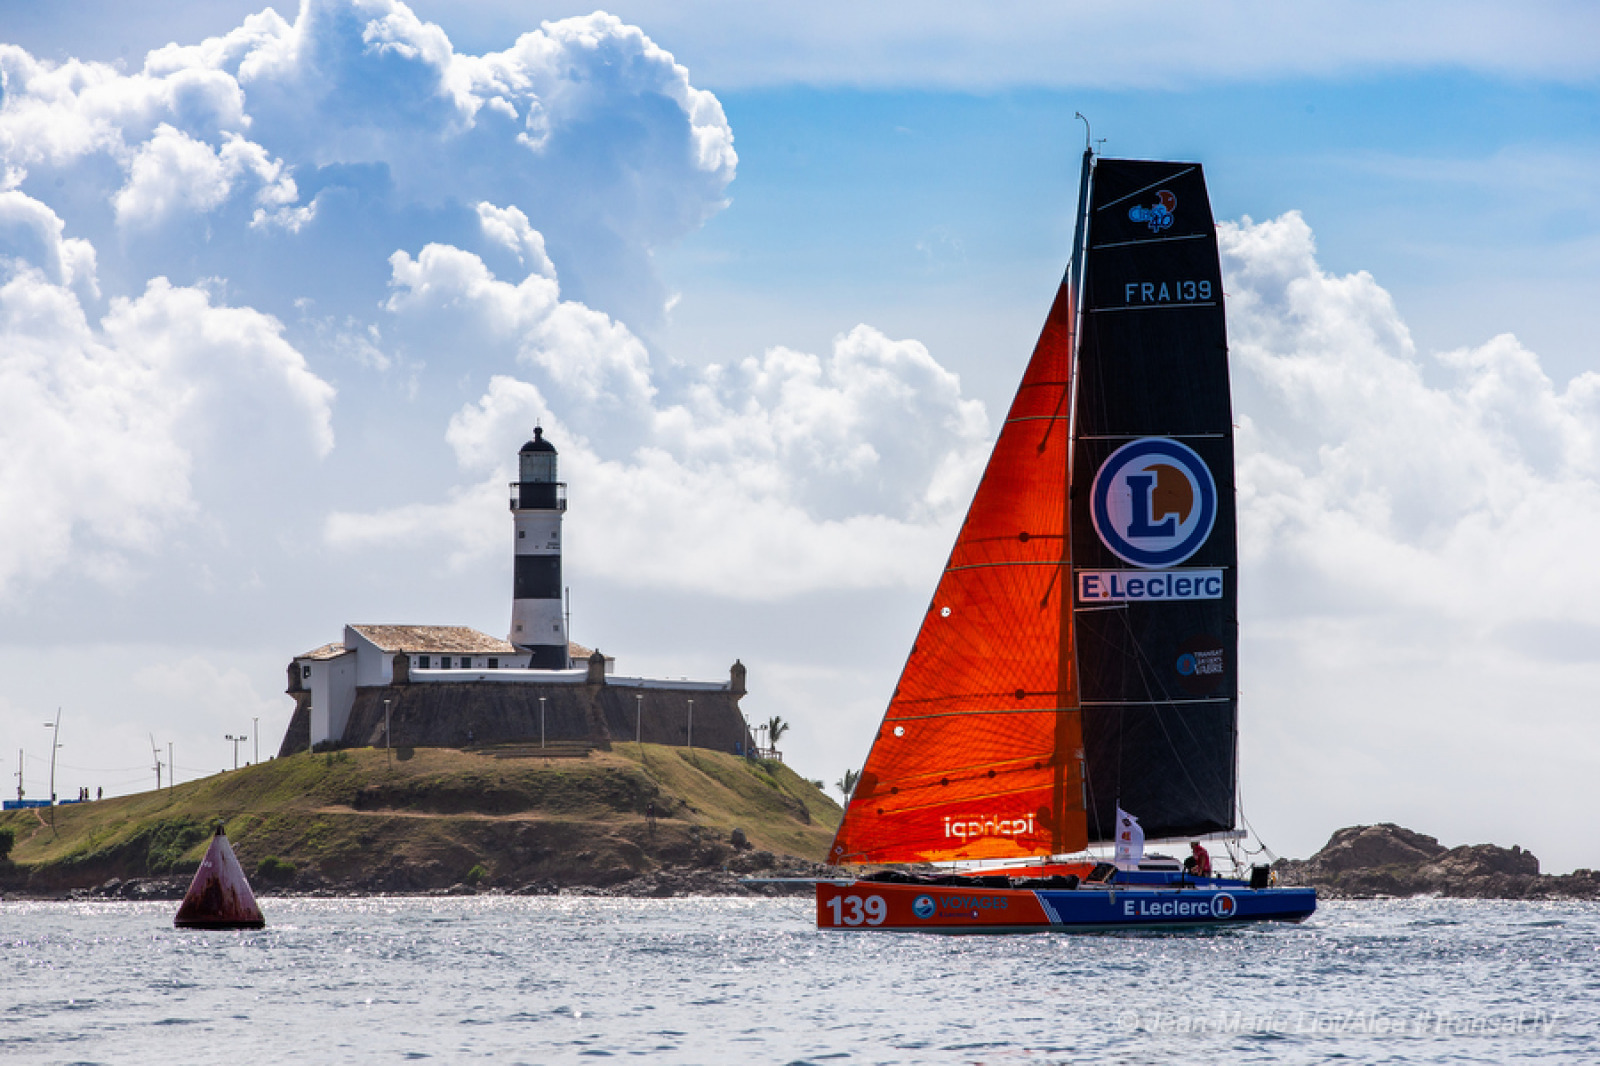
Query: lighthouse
(537, 501)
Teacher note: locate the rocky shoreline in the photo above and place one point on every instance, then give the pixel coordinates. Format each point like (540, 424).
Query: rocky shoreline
(1388, 861)
(1381, 861)
(664, 882)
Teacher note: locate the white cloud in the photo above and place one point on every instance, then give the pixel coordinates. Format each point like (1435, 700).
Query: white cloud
(32, 234)
(1386, 486)
(100, 425)
(173, 171)
(509, 227)
(785, 474)
(596, 367)
(1416, 594)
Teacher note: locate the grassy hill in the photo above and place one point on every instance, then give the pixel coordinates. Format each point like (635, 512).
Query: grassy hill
(435, 817)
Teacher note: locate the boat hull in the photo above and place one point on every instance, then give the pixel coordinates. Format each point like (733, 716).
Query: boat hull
(963, 909)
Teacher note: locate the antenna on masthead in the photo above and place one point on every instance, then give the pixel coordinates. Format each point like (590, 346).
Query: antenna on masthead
(1088, 144)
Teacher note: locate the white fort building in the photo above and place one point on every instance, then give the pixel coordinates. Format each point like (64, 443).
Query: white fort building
(452, 686)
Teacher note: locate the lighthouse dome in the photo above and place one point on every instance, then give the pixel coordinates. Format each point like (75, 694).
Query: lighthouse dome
(537, 444)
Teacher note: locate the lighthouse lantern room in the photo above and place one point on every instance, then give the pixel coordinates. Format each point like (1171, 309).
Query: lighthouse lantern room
(537, 502)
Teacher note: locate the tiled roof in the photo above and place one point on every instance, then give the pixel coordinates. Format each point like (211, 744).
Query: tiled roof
(327, 651)
(448, 640)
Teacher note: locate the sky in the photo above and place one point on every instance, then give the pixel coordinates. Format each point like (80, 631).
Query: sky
(283, 290)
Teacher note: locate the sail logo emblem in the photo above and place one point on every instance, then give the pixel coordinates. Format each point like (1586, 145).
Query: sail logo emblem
(923, 907)
(1153, 502)
(1223, 905)
(1158, 216)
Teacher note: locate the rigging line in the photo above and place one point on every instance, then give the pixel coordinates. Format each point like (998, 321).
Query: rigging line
(974, 713)
(1151, 240)
(1246, 820)
(1169, 436)
(1154, 703)
(1021, 562)
(1144, 661)
(893, 808)
(1173, 305)
(1137, 192)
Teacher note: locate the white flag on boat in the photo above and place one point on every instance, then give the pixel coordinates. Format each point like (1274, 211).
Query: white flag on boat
(1130, 838)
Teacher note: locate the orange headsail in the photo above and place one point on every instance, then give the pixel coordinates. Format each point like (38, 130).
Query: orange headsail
(980, 752)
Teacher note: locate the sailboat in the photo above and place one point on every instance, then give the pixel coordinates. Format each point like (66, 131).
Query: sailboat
(1079, 656)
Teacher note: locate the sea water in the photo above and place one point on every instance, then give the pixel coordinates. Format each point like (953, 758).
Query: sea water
(579, 979)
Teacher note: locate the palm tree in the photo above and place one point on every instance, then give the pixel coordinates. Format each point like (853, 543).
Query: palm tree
(847, 784)
(776, 727)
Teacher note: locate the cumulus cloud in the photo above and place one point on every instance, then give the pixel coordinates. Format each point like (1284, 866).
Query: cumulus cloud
(100, 422)
(158, 226)
(1416, 607)
(1391, 482)
(584, 128)
(509, 227)
(32, 235)
(173, 171)
(783, 474)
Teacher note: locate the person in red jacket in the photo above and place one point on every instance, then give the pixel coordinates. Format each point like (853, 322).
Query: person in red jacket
(1199, 860)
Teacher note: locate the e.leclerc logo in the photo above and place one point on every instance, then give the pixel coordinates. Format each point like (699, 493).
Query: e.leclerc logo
(1153, 503)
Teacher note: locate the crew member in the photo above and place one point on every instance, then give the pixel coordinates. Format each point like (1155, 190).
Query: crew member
(1198, 862)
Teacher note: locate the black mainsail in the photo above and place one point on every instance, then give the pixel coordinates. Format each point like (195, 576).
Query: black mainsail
(1154, 544)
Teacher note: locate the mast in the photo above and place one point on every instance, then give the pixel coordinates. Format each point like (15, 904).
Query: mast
(1069, 732)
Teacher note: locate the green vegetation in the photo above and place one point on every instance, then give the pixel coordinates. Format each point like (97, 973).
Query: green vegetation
(8, 839)
(352, 818)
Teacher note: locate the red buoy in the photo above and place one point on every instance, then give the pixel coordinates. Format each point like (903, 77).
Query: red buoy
(219, 897)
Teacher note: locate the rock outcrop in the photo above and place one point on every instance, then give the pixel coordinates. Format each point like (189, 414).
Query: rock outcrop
(1366, 861)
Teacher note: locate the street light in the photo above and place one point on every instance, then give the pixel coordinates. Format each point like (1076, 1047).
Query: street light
(236, 740)
(638, 716)
(55, 736)
(541, 723)
(691, 723)
(255, 727)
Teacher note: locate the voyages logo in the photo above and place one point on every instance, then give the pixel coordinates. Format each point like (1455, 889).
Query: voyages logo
(1158, 216)
(1153, 502)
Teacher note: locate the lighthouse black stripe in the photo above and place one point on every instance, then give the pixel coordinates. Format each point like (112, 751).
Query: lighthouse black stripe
(538, 577)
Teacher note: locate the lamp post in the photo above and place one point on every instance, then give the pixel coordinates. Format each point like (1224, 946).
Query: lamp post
(638, 716)
(55, 736)
(691, 723)
(541, 723)
(255, 728)
(762, 743)
(236, 740)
